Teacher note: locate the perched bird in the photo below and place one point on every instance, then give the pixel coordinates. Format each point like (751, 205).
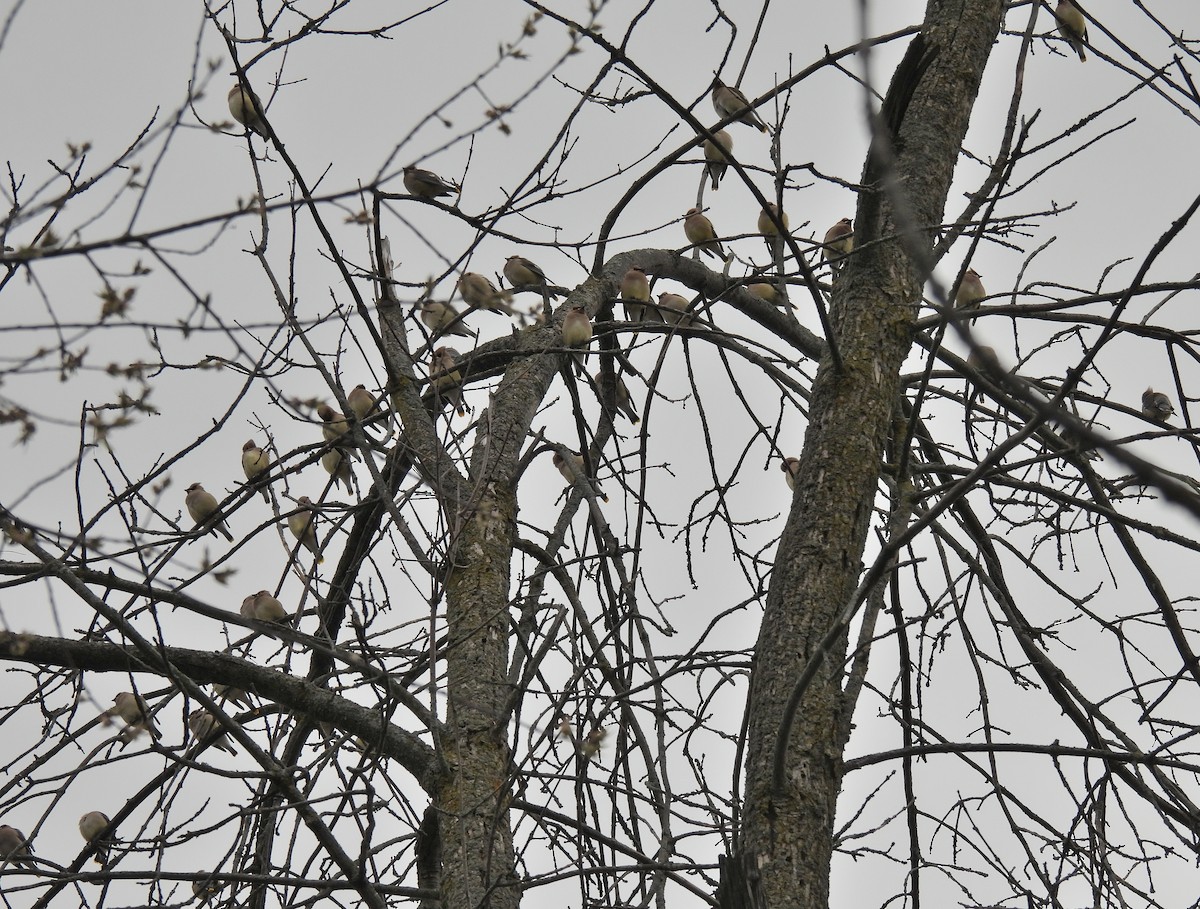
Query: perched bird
(613, 388)
(520, 272)
(970, 291)
(335, 428)
(766, 224)
(205, 890)
(263, 607)
(300, 523)
(1156, 405)
(132, 709)
(337, 467)
(93, 826)
(445, 377)
(983, 357)
(728, 101)
(255, 464)
(425, 184)
(635, 291)
(247, 109)
(362, 403)
(14, 848)
(590, 747)
(479, 292)
(673, 308)
(1072, 26)
(700, 233)
(716, 156)
(574, 467)
(202, 506)
(791, 469)
(443, 319)
(204, 726)
(232, 695)
(839, 243)
(577, 332)
(764, 291)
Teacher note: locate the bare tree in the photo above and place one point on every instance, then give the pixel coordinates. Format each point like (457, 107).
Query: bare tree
(526, 613)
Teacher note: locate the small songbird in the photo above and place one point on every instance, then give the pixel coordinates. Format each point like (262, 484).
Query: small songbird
(577, 332)
(791, 469)
(479, 292)
(1156, 405)
(255, 464)
(247, 109)
(635, 291)
(673, 308)
(445, 377)
(443, 319)
(362, 403)
(202, 506)
(983, 357)
(521, 272)
(839, 243)
(766, 225)
(590, 746)
(575, 467)
(425, 184)
(1072, 26)
(133, 710)
(700, 233)
(204, 725)
(301, 524)
(232, 695)
(613, 388)
(716, 156)
(728, 101)
(338, 467)
(93, 826)
(764, 291)
(14, 847)
(205, 890)
(263, 607)
(970, 291)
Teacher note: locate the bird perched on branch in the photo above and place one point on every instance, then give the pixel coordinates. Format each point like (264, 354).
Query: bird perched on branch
(716, 156)
(613, 388)
(301, 523)
(1156, 405)
(521, 272)
(263, 607)
(425, 184)
(255, 464)
(204, 725)
(1072, 26)
(247, 109)
(132, 709)
(577, 332)
(673, 309)
(791, 470)
(839, 243)
(445, 377)
(728, 101)
(479, 292)
(338, 467)
(15, 848)
(362, 403)
(574, 467)
(93, 827)
(202, 506)
(770, 233)
(635, 292)
(700, 233)
(970, 291)
(443, 319)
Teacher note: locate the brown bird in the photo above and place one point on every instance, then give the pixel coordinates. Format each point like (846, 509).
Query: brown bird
(1072, 26)
(232, 695)
(255, 464)
(132, 709)
(338, 467)
(14, 847)
(575, 468)
(635, 291)
(577, 332)
(521, 272)
(791, 470)
(970, 291)
(263, 607)
(839, 243)
(479, 292)
(983, 357)
(362, 403)
(425, 184)
(205, 726)
(202, 506)
(728, 101)
(443, 319)
(247, 109)
(93, 826)
(716, 156)
(613, 388)
(445, 377)
(205, 890)
(1156, 405)
(301, 524)
(335, 428)
(674, 309)
(700, 233)
(766, 225)
(764, 291)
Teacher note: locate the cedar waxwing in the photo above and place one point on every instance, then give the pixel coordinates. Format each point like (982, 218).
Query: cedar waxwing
(716, 162)
(983, 357)
(970, 291)
(443, 319)
(577, 332)
(612, 387)
(425, 184)
(300, 523)
(479, 292)
(767, 227)
(202, 506)
(204, 725)
(764, 291)
(592, 742)
(255, 464)
(1156, 405)
(728, 101)
(520, 272)
(205, 890)
(93, 826)
(232, 695)
(569, 469)
(14, 848)
(335, 428)
(446, 378)
(247, 109)
(362, 402)
(263, 607)
(1072, 26)
(635, 290)
(791, 469)
(132, 709)
(673, 309)
(337, 467)
(700, 233)
(839, 243)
